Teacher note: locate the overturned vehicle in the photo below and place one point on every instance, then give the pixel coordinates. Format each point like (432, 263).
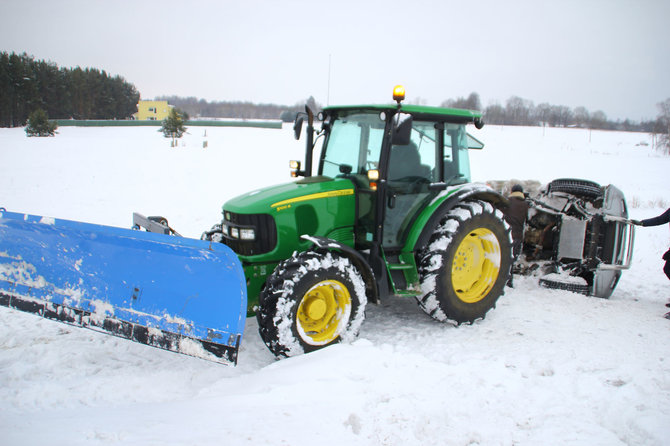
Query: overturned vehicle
(577, 236)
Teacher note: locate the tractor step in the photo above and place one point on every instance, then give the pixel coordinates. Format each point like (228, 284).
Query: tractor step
(400, 266)
(403, 274)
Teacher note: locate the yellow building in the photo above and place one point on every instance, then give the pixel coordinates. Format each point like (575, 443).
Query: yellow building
(152, 110)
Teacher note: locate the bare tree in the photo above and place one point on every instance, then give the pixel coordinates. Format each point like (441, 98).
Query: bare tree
(472, 102)
(664, 120)
(494, 114)
(581, 116)
(599, 120)
(542, 113)
(519, 111)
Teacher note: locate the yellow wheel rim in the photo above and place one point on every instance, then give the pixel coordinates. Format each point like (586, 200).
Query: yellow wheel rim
(476, 265)
(324, 312)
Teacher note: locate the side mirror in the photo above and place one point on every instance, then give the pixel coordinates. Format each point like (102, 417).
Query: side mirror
(300, 119)
(297, 125)
(402, 129)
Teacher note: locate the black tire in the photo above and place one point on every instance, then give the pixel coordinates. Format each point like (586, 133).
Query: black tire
(566, 285)
(579, 188)
(466, 263)
(311, 300)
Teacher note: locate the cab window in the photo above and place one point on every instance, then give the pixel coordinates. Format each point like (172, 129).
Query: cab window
(354, 144)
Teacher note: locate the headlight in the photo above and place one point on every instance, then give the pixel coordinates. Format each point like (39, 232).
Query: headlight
(247, 234)
(224, 229)
(234, 233)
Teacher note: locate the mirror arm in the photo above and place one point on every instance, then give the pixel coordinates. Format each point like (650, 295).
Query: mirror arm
(439, 151)
(309, 144)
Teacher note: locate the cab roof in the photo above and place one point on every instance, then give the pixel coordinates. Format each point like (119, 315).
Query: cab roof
(418, 111)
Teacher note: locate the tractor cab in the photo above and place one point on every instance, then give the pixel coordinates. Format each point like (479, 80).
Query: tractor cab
(398, 157)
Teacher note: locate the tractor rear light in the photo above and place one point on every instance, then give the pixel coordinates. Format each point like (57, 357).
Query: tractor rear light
(247, 234)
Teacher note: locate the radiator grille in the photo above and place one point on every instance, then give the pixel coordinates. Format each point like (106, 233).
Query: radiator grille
(263, 226)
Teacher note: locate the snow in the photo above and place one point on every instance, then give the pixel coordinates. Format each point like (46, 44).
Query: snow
(545, 367)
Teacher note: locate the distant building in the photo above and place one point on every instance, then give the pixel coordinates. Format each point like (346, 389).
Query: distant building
(152, 110)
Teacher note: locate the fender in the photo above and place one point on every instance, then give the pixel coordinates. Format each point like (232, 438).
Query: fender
(355, 257)
(446, 200)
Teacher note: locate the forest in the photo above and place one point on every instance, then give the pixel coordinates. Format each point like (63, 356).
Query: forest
(27, 84)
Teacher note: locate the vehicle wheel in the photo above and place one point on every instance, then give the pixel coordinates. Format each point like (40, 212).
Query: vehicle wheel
(580, 188)
(466, 263)
(312, 300)
(572, 284)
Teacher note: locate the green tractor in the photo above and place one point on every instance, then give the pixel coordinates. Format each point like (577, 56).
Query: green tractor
(390, 211)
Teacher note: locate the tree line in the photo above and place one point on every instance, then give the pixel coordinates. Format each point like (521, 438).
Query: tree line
(27, 84)
(195, 107)
(520, 111)
(516, 111)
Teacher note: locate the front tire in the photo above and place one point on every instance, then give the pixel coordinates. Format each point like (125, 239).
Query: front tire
(466, 263)
(311, 300)
(586, 189)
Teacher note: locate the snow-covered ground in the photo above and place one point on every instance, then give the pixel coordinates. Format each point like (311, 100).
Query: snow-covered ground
(544, 368)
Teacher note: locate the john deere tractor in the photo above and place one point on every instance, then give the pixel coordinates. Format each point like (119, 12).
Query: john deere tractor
(389, 210)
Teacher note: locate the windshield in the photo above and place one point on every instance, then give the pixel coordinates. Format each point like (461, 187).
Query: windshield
(354, 144)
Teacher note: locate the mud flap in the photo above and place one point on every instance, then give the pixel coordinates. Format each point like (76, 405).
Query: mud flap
(179, 294)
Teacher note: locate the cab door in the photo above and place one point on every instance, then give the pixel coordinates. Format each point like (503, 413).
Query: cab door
(411, 169)
(353, 148)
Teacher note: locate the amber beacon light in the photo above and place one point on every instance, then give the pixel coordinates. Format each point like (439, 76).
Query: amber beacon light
(398, 93)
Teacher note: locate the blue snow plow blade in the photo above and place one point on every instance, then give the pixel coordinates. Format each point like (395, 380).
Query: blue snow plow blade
(184, 295)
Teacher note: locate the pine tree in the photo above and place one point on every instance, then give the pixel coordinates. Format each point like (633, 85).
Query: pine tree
(173, 126)
(39, 124)
(27, 84)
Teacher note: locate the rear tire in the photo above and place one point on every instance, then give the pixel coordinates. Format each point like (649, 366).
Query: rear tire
(311, 300)
(466, 263)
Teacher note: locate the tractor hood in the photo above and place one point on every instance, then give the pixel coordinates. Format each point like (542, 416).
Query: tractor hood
(285, 196)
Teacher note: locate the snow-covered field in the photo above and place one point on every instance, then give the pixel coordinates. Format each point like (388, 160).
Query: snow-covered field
(544, 368)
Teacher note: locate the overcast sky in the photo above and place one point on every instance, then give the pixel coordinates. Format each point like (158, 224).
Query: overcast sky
(611, 55)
